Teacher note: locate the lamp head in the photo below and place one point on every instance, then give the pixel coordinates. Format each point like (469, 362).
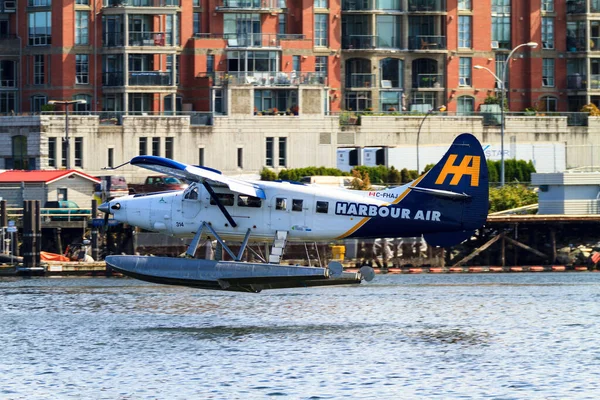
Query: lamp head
(533, 45)
(478, 67)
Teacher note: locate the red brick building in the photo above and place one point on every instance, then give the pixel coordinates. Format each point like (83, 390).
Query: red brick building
(157, 56)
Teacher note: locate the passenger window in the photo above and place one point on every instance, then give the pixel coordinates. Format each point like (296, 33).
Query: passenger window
(280, 204)
(322, 207)
(225, 198)
(248, 201)
(297, 205)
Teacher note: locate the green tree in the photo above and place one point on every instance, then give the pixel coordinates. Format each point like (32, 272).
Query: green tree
(267, 175)
(511, 196)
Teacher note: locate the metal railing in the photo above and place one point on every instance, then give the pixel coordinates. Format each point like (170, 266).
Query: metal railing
(575, 44)
(150, 78)
(427, 42)
(113, 79)
(577, 81)
(358, 80)
(248, 4)
(141, 3)
(595, 81)
(576, 7)
(252, 40)
(426, 5)
(429, 81)
(359, 42)
(113, 39)
(150, 39)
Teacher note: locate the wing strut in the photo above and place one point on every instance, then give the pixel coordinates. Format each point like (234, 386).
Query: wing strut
(191, 251)
(213, 196)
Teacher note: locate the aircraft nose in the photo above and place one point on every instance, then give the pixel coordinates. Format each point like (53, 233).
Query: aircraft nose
(105, 207)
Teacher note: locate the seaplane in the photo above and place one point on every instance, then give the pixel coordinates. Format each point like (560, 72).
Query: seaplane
(445, 206)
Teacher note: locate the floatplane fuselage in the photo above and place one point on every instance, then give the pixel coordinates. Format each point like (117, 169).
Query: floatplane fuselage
(445, 205)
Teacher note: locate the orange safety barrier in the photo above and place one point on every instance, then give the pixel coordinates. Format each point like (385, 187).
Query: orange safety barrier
(581, 268)
(415, 270)
(475, 269)
(536, 268)
(496, 269)
(558, 268)
(456, 269)
(436, 270)
(394, 270)
(516, 269)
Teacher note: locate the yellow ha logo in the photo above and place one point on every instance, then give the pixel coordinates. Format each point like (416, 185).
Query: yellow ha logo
(468, 166)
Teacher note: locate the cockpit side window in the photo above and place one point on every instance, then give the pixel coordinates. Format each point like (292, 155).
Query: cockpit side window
(226, 199)
(322, 207)
(192, 194)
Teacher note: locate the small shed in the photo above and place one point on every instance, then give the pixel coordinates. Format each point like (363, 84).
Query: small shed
(575, 192)
(47, 185)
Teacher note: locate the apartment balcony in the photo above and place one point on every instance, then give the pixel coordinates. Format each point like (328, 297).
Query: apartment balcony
(272, 79)
(359, 42)
(113, 79)
(576, 82)
(372, 5)
(137, 3)
(113, 39)
(429, 81)
(575, 44)
(595, 44)
(152, 39)
(39, 3)
(576, 7)
(427, 42)
(249, 5)
(150, 78)
(427, 6)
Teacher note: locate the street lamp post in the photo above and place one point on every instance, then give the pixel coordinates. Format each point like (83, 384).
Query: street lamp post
(66, 140)
(440, 108)
(502, 84)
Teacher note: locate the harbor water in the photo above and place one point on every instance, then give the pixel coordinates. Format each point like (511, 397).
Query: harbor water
(475, 336)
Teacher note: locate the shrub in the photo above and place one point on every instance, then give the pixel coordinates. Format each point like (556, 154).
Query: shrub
(267, 175)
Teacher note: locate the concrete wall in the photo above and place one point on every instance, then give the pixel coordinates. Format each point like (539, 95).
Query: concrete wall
(16, 193)
(79, 190)
(312, 139)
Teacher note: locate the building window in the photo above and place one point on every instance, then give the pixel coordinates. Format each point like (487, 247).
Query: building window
(111, 158)
(39, 77)
(169, 148)
(40, 28)
(143, 146)
(548, 103)
(320, 4)
(547, 33)
(219, 104)
(83, 2)
(19, 152)
(240, 157)
(63, 155)
(389, 31)
(156, 146)
(79, 152)
(85, 107)
(210, 63)
(52, 152)
(548, 72)
(37, 102)
(321, 30)
(501, 31)
(465, 105)
(464, 31)
(197, 19)
(500, 6)
(548, 5)
(321, 68)
(296, 63)
(500, 59)
(82, 71)
(282, 24)
(464, 4)
(39, 3)
(282, 152)
(464, 77)
(269, 152)
(8, 102)
(81, 27)
(201, 156)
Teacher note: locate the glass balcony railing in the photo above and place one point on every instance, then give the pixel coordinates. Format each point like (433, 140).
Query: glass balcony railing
(576, 82)
(359, 80)
(426, 5)
(359, 42)
(113, 39)
(575, 44)
(112, 79)
(257, 78)
(250, 4)
(140, 3)
(595, 44)
(358, 5)
(427, 42)
(150, 78)
(595, 81)
(149, 39)
(576, 7)
(252, 40)
(429, 81)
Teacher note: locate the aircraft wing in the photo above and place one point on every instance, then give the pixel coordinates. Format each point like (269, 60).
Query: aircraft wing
(197, 174)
